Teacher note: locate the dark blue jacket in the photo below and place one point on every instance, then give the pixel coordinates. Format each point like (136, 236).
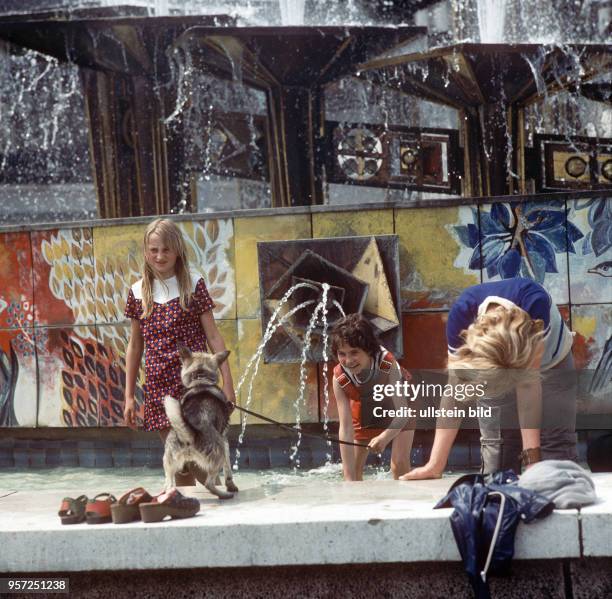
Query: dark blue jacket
(487, 512)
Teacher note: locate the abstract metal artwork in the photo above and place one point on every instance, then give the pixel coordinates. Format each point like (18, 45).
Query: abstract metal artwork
(363, 277)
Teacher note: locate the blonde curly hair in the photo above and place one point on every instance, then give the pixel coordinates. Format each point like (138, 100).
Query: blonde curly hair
(501, 346)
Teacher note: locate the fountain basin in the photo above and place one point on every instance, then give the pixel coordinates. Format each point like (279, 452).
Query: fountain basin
(361, 525)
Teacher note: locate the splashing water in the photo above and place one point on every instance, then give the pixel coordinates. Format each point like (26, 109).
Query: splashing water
(328, 455)
(256, 357)
(319, 314)
(292, 11)
(491, 20)
(302, 389)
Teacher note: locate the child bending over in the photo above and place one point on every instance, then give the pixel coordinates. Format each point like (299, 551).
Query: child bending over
(364, 363)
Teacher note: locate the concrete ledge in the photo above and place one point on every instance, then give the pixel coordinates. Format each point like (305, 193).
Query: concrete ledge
(323, 523)
(596, 520)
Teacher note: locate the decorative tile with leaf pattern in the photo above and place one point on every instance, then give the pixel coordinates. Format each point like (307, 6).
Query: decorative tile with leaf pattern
(64, 289)
(528, 239)
(590, 266)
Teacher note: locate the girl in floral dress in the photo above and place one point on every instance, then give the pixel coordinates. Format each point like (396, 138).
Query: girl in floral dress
(168, 307)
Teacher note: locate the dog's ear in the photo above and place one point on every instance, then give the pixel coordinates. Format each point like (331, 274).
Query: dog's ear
(221, 357)
(184, 352)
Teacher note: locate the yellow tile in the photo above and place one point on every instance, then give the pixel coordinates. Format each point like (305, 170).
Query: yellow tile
(118, 260)
(275, 388)
(229, 332)
(248, 231)
(428, 252)
(346, 224)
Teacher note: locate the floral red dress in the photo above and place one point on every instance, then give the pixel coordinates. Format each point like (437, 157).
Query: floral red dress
(163, 330)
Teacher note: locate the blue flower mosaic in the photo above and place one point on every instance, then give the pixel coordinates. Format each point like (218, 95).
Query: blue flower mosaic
(519, 239)
(599, 239)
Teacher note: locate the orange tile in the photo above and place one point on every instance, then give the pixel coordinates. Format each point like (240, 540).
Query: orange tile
(16, 293)
(424, 340)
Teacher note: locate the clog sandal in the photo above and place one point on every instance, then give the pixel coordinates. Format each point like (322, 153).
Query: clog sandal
(171, 503)
(127, 508)
(72, 511)
(98, 510)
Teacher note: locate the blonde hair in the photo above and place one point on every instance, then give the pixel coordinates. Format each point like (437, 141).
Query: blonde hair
(504, 342)
(171, 236)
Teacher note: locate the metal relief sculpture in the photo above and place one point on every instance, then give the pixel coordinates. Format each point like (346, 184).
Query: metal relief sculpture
(346, 274)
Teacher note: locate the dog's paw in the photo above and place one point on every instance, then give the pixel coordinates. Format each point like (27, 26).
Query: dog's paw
(231, 486)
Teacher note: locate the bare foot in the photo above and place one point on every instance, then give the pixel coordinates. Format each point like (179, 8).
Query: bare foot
(423, 473)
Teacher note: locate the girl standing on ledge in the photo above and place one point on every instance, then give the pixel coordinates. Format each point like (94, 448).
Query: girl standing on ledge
(500, 328)
(168, 307)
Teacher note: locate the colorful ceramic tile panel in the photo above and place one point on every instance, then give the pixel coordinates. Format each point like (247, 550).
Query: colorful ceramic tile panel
(346, 224)
(18, 383)
(229, 332)
(16, 294)
(64, 292)
(248, 232)
(276, 386)
(592, 351)
(69, 368)
(433, 261)
(210, 249)
(590, 264)
(106, 383)
(118, 264)
(364, 276)
(528, 239)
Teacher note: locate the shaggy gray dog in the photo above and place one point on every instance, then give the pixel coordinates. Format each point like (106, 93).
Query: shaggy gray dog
(199, 423)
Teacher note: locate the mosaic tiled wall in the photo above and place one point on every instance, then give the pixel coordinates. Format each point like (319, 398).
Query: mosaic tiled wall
(62, 294)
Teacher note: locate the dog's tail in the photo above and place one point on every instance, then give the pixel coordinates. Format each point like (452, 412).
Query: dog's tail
(214, 444)
(173, 411)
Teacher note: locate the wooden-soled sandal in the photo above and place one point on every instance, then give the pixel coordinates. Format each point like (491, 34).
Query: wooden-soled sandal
(98, 509)
(127, 508)
(72, 511)
(171, 503)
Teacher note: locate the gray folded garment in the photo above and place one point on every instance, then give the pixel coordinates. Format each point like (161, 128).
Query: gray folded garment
(564, 482)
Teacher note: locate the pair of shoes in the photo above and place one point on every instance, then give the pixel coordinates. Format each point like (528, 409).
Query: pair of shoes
(93, 511)
(127, 508)
(169, 503)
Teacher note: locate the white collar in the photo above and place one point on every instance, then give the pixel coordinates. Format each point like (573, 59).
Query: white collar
(494, 299)
(163, 291)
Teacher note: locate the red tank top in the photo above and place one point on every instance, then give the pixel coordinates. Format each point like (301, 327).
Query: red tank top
(351, 390)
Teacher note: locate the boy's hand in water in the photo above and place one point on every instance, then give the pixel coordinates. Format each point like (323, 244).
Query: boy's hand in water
(423, 473)
(129, 413)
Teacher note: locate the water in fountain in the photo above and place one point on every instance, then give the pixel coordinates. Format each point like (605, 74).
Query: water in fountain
(319, 314)
(491, 20)
(328, 455)
(256, 357)
(294, 457)
(45, 173)
(292, 12)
